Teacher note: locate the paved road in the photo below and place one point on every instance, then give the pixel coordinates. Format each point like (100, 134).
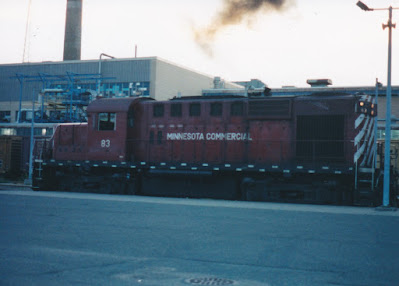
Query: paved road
(89, 239)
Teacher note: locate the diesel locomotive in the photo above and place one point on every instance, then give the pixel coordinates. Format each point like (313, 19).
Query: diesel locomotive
(318, 148)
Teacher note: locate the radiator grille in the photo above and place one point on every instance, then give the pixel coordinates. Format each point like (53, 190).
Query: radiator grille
(320, 137)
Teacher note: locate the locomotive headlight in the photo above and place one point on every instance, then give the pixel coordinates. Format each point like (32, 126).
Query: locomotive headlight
(361, 103)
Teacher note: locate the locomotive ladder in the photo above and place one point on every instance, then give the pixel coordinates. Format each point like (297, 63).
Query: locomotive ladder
(40, 144)
(364, 186)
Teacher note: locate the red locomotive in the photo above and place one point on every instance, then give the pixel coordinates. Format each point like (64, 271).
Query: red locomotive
(318, 148)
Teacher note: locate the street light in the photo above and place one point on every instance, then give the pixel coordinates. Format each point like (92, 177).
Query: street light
(363, 6)
(387, 155)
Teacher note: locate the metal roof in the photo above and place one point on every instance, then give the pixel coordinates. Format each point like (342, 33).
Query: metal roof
(111, 104)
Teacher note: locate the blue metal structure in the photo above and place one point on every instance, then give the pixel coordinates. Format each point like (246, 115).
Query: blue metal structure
(72, 98)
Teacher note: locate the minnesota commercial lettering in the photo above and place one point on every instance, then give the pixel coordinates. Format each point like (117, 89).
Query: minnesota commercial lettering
(209, 136)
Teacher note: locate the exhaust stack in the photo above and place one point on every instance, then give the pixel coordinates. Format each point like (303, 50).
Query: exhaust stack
(73, 30)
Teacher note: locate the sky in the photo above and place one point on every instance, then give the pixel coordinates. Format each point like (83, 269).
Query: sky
(306, 39)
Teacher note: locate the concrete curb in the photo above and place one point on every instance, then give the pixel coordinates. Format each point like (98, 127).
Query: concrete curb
(12, 186)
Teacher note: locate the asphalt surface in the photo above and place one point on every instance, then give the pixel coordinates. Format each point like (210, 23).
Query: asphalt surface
(51, 238)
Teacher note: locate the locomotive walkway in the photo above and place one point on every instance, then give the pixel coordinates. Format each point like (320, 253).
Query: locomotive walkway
(51, 238)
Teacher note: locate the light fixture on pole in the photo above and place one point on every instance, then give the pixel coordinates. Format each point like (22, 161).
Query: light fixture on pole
(387, 154)
(363, 6)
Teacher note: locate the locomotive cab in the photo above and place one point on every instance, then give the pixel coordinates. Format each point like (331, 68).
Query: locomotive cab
(109, 122)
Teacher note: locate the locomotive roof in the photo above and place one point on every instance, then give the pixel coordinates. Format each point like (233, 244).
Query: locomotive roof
(123, 104)
(111, 104)
(202, 97)
(316, 94)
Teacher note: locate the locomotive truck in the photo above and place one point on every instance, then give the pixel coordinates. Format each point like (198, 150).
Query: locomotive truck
(319, 148)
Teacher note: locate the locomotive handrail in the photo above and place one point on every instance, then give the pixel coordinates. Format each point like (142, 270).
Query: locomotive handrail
(41, 148)
(316, 155)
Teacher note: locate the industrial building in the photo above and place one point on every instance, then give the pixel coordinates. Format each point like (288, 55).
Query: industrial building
(73, 84)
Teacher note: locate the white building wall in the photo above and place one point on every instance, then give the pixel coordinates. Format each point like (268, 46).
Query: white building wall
(382, 103)
(13, 107)
(170, 79)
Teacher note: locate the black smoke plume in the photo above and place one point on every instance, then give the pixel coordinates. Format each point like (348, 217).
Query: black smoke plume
(234, 12)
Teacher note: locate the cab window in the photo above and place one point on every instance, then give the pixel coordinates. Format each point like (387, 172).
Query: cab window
(176, 110)
(216, 109)
(195, 109)
(237, 109)
(106, 121)
(158, 110)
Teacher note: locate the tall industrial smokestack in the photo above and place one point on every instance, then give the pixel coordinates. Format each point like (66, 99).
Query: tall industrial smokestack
(73, 30)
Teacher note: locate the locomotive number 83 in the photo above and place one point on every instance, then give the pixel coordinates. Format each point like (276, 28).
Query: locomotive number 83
(319, 148)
